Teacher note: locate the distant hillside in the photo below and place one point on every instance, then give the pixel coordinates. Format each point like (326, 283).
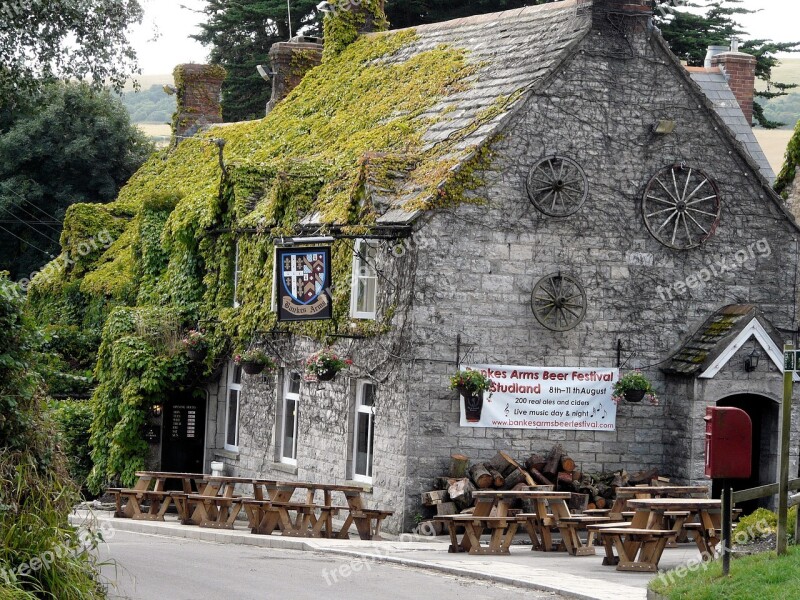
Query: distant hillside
(785, 109)
(150, 105)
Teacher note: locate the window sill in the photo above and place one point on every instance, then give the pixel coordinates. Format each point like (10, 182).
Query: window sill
(285, 468)
(222, 453)
(362, 484)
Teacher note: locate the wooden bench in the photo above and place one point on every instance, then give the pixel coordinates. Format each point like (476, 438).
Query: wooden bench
(637, 549)
(158, 503)
(502, 530)
(216, 512)
(265, 516)
(569, 528)
(538, 528)
(368, 522)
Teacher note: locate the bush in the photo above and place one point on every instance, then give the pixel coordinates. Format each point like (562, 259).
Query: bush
(755, 526)
(73, 418)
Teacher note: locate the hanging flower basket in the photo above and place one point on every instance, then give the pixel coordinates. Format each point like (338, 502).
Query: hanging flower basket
(634, 387)
(634, 395)
(196, 345)
(254, 361)
(471, 385)
(328, 375)
(197, 354)
(252, 368)
(325, 364)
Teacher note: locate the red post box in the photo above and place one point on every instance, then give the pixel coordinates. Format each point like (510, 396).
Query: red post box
(729, 443)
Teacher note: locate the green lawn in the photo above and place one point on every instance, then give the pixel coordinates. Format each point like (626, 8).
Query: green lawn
(761, 576)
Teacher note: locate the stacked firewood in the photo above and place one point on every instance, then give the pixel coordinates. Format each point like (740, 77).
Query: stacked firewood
(453, 494)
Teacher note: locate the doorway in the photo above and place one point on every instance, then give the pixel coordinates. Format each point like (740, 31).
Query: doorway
(763, 412)
(184, 435)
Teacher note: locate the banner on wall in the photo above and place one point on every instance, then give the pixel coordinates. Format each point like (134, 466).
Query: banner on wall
(544, 398)
(304, 282)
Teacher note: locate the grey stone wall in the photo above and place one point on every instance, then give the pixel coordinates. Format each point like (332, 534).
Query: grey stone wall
(326, 413)
(477, 265)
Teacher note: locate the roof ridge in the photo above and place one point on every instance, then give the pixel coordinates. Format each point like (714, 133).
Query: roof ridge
(514, 13)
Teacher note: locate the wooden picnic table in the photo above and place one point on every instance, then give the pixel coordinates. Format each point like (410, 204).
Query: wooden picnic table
(640, 544)
(502, 526)
(551, 510)
(623, 494)
(217, 505)
(151, 486)
(271, 510)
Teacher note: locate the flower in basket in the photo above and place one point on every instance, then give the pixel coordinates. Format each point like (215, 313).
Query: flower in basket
(634, 386)
(255, 356)
(194, 340)
(326, 362)
(472, 382)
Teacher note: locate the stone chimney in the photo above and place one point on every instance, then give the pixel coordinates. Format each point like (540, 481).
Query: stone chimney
(199, 90)
(290, 62)
(740, 69)
(345, 20)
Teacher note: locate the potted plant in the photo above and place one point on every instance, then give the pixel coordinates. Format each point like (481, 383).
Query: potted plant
(196, 345)
(471, 385)
(634, 387)
(325, 364)
(254, 361)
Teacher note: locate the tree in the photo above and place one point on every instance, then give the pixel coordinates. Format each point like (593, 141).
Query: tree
(689, 35)
(76, 146)
(240, 33)
(61, 39)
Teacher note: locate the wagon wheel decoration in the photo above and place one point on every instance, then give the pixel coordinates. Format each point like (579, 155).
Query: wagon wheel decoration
(557, 186)
(681, 207)
(558, 302)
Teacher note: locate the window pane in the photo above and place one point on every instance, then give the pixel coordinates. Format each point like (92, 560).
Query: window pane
(362, 444)
(232, 434)
(289, 421)
(294, 383)
(368, 395)
(237, 374)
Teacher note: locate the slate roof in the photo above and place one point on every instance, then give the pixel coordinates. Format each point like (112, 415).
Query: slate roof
(714, 84)
(516, 49)
(714, 336)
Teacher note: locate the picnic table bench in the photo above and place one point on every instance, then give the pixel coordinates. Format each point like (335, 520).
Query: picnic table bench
(150, 488)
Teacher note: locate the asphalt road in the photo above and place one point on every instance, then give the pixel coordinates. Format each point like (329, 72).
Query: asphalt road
(161, 568)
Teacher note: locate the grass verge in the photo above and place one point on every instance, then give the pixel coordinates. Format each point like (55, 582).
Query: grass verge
(765, 576)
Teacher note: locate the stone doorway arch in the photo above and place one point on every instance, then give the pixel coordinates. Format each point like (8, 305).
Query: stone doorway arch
(763, 412)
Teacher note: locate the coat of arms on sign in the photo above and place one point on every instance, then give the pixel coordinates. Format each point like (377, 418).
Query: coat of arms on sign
(304, 275)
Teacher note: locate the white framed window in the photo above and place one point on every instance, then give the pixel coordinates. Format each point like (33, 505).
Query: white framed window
(237, 276)
(232, 407)
(364, 296)
(364, 431)
(291, 417)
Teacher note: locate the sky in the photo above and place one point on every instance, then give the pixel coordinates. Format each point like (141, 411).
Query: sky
(162, 40)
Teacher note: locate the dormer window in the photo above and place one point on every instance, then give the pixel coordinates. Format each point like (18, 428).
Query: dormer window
(364, 298)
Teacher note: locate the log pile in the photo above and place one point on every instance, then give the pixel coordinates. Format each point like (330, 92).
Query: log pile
(556, 469)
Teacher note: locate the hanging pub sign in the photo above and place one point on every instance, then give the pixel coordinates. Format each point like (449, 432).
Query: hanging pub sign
(304, 282)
